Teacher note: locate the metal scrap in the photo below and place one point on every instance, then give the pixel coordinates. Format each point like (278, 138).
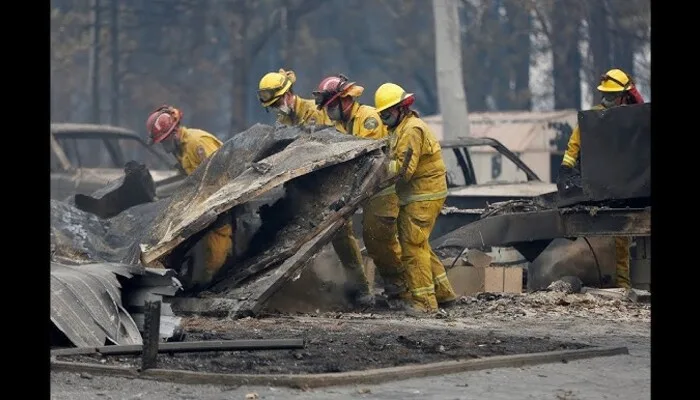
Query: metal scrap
(86, 304)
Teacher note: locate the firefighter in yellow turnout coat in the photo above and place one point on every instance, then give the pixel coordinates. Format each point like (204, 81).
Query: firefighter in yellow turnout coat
(191, 147)
(421, 191)
(336, 95)
(617, 88)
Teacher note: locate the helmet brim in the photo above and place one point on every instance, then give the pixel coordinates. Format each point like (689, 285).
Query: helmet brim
(389, 105)
(604, 89)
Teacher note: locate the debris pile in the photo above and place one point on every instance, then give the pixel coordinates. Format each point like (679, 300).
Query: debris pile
(286, 190)
(551, 303)
(333, 346)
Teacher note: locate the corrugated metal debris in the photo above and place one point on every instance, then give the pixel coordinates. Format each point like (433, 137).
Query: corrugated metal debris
(86, 304)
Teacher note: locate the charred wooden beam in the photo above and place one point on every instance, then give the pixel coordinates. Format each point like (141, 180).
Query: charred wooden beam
(151, 335)
(189, 347)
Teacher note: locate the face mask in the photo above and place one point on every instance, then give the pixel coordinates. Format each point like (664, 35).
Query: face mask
(390, 119)
(284, 110)
(610, 100)
(169, 145)
(334, 112)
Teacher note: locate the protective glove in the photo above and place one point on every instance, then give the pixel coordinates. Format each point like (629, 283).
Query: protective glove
(564, 178)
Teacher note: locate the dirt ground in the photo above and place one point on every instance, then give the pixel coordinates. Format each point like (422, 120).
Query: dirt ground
(581, 319)
(487, 324)
(345, 341)
(334, 346)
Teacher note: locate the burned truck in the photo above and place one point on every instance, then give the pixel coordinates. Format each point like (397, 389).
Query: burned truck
(613, 198)
(287, 191)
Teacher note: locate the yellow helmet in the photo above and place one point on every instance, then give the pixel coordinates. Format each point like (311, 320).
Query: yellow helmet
(389, 95)
(615, 81)
(272, 86)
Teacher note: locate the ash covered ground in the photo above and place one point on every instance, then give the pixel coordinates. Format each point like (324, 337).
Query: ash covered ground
(334, 346)
(312, 307)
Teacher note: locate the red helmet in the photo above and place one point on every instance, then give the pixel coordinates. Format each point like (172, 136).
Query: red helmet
(162, 122)
(330, 89)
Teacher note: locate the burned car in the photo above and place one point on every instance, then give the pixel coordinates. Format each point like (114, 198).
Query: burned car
(470, 188)
(85, 157)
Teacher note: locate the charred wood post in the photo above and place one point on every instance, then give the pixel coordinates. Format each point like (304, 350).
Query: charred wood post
(189, 347)
(151, 335)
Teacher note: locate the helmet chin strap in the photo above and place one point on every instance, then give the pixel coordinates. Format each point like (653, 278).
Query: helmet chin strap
(345, 111)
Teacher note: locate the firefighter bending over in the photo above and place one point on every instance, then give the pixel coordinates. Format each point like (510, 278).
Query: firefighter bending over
(275, 91)
(337, 96)
(617, 88)
(422, 191)
(191, 147)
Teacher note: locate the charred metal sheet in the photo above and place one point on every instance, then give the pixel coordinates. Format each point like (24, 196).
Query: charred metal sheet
(86, 305)
(135, 187)
(154, 285)
(512, 228)
(226, 179)
(79, 237)
(615, 153)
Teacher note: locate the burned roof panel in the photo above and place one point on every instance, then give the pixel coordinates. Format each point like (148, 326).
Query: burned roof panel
(86, 305)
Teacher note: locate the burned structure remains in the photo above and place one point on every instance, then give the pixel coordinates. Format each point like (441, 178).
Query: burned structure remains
(286, 190)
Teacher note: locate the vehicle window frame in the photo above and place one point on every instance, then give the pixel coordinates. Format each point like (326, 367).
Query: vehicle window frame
(112, 145)
(462, 153)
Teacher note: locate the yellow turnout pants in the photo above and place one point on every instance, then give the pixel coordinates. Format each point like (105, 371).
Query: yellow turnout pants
(213, 250)
(425, 275)
(380, 234)
(622, 261)
(350, 255)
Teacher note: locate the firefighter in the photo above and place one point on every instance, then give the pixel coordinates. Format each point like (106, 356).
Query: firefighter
(191, 147)
(422, 191)
(275, 91)
(337, 97)
(617, 88)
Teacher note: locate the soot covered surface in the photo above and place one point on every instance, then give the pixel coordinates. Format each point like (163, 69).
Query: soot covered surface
(336, 346)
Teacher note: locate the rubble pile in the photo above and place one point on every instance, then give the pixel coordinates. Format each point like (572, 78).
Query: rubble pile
(333, 346)
(548, 304)
(286, 190)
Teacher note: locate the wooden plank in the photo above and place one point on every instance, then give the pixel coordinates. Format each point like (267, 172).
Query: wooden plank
(372, 376)
(189, 347)
(268, 284)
